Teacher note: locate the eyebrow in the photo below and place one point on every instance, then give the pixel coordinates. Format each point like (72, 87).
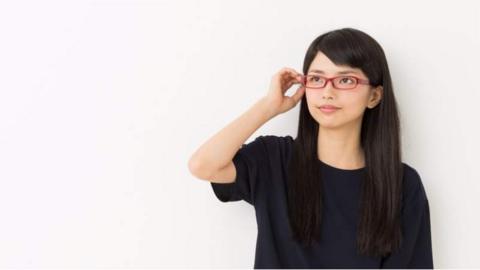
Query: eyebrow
(340, 72)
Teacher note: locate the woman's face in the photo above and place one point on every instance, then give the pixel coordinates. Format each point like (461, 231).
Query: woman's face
(352, 103)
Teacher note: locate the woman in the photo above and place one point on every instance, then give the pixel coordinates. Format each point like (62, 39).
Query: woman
(338, 195)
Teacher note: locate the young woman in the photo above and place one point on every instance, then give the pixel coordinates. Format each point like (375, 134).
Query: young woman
(338, 195)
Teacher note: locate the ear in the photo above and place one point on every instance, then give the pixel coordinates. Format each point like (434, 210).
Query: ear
(375, 97)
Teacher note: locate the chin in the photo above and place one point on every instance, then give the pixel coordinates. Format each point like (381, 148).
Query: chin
(329, 125)
(326, 122)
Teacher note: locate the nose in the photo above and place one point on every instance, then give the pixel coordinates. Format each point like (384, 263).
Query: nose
(327, 90)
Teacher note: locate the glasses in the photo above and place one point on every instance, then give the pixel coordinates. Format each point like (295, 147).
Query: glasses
(339, 82)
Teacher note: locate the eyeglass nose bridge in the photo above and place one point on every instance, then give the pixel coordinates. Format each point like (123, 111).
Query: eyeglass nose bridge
(326, 82)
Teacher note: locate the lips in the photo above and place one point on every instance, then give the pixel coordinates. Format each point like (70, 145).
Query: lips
(329, 107)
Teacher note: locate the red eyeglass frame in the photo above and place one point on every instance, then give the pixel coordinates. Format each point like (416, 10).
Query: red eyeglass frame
(359, 81)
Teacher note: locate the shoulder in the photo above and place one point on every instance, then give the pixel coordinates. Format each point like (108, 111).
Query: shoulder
(275, 138)
(273, 145)
(413, 187)
(273, 141)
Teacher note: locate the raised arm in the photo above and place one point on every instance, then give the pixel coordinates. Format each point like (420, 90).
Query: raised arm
(213, 160)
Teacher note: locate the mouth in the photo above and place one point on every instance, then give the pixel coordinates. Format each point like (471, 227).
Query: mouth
(328, 108)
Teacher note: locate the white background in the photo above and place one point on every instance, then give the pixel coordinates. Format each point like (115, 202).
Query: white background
(102, 104)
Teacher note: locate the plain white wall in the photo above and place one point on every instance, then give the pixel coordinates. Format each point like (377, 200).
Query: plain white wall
(103, 102)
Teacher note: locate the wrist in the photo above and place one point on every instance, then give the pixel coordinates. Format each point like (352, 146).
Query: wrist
(266, 109)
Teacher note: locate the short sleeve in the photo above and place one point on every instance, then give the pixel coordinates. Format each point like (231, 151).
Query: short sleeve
(416, 247)
(250, 162)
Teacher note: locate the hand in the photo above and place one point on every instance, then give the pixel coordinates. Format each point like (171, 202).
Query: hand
(281, 81)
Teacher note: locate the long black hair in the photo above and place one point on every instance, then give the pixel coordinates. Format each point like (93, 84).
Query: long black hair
(378, 229)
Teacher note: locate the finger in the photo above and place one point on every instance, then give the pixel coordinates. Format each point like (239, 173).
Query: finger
(286, 75)
(289, 77)
(297, 77)
(289, 84)
(298, 94)
(292, 82)
(293, 72)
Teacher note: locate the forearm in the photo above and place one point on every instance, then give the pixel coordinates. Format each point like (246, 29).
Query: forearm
(220, 149)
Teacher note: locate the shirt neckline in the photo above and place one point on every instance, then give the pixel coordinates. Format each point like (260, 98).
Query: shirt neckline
(330, 167)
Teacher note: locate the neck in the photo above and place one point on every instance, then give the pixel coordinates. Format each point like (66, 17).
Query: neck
(341, 148)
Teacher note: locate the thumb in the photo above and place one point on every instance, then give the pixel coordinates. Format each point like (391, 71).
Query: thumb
(298, 94)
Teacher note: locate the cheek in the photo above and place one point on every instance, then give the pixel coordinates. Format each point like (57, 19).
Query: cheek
(353, 111)
(313, 95)
(353, 104)
(347, 100)
(354, 107)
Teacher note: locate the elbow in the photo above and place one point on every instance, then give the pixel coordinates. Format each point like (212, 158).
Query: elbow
(197, 170)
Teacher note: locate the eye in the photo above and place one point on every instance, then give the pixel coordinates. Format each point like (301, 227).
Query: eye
(347, 80)
(313, 78)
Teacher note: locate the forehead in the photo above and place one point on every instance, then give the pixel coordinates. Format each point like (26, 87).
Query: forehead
(321, 64)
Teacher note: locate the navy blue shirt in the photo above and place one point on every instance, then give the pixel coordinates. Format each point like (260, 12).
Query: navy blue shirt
(261, 181)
